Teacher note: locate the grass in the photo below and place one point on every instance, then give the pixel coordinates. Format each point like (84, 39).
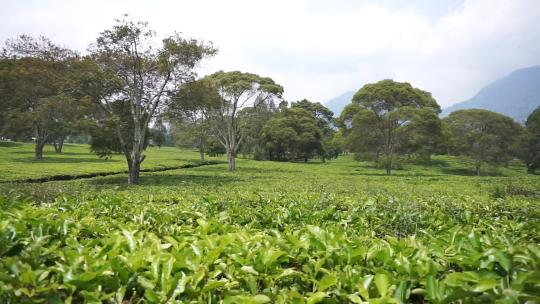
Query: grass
(273, 232)
(17, 161)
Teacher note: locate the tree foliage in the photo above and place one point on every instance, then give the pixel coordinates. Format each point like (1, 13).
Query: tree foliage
(189, 112)
(485, 136)
(126, 66)
(292, 134)
(33, 96)
(527, 147)
(383, 117)
(238, 91)
(325, 123)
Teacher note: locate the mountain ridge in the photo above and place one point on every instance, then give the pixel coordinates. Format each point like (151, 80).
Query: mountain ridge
(516, 95)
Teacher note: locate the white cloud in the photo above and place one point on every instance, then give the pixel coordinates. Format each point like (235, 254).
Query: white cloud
(318, 49)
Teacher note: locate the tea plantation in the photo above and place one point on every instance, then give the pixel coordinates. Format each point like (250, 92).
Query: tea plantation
(273, 232)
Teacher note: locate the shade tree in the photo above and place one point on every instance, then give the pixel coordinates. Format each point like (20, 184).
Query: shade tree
(292, 134)
(189, 113)
(238, 91)
(484, 136)
(527, 146)
(33, 95)
(125, 65)
(379, 120)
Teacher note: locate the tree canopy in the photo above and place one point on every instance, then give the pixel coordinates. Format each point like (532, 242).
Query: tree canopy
(380, 119)
(238, 91)
(292, 134)
(128, 67)
(35, 100)
(485, 136)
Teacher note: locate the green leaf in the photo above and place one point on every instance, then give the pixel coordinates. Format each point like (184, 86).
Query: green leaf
(316, 297)
(355, 299)
(249, 269)
(327, 281)
(432, 289)
(211, 285)
(257, 299)
(485, 284)
(145, 283)
(382, 283)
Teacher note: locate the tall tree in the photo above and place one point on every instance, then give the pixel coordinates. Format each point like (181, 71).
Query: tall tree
(377, 120)
(189, 112)
(423, 136)
(326, 124)
(485, 136)
(254, 119)
(238, 91)
(528, 146)
(129, 67)
(292, 134)
(33, 72)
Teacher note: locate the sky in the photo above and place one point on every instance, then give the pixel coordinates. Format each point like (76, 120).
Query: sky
(319, 49)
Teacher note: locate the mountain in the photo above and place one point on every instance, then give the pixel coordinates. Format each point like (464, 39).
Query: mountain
(515, 95)
(338, 103)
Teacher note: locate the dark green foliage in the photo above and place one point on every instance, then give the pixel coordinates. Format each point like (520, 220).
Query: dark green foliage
(528, 145)
(189, 113)
(214, 148)
(292, 134)
(104, 141)
(485, 136)
(389, 119)
(33, 99)
(325, 123)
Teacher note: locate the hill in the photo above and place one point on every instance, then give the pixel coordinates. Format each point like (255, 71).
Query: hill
(337, 104)
(515, 95)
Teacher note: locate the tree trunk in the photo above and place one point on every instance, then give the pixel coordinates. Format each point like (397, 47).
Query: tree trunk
(58, 145)
(232, 161)
(39, 149)
(477, 167)
(201, 154)
(134, 171)
(389, 167)
(136, 157)
(41, 140)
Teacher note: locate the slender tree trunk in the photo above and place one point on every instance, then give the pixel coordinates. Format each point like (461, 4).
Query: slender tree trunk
(41, 140)
(201, 150)
(39, 149)
(389, 167)
(137, 156)
(201, 153)
(134, 172)
(232, 160)
(477, 168)
(58, 145)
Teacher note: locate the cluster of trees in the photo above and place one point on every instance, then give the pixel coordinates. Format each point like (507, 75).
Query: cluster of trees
(388, 120)
(114, 93)
(129, 91)
(127, 83)
(244, 113)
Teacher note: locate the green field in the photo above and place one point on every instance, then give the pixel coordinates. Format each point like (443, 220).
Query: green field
(273, 232)
(17, 161)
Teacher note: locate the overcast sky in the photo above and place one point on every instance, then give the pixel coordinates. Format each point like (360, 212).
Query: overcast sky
(319, 49)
